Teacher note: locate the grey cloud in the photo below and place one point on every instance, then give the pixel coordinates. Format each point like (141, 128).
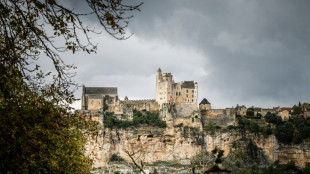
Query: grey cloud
(256, 51)
(246, 52)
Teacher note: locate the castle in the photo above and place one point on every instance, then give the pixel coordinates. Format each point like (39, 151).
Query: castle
(182, 96)
(173, 101)
(182, 93)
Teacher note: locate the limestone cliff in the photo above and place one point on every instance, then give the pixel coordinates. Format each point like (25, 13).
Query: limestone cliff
(146, 143)
(181, 144)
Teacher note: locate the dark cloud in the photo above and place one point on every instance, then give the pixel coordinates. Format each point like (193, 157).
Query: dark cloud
(257, 52)
(246, 52)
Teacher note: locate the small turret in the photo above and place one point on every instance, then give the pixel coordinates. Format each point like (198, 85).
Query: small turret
(159, 70)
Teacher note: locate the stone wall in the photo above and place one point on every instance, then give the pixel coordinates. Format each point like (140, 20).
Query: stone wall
(185, 109)
(149, 105)
(220, 120)
(189, 122)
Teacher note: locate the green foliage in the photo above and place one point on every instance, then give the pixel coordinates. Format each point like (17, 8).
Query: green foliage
(139, 118)
(116, 158)
(284, 133)
(252, 151)
(199, 142)
(268, 131)
(297, 139)
(273, 118)
(250, 125)
(306, 170)
(294, 131)
(211, 128)
(39, 136)
(297, 110)
(250, 112)
(274, 169)
(179, 125)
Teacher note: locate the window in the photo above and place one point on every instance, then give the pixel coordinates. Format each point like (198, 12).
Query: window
(192, 91)
(176, 93)
(179, 93)
(192, 100)
(186, 95)
(187, 91)
(192, 95)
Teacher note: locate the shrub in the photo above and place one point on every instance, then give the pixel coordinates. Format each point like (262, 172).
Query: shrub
(117, 158)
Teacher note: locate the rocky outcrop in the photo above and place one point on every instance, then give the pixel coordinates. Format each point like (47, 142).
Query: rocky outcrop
(181, 144)
(144, 144)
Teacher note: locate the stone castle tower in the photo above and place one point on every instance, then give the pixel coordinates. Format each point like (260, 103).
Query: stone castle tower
(167, 91)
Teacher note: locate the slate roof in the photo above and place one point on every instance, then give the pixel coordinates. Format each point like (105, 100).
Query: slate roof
(100, 90)
(188, 84)
(307, 107)
(204, 101)
(257, 109)
(286, 108)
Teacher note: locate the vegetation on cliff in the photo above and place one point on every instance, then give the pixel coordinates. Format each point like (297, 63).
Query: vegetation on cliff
(139, 118)
(276, 168)
(295, 130)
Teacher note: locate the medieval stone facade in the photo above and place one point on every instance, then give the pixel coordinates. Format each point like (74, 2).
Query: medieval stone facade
(96, 98)
(182, 93)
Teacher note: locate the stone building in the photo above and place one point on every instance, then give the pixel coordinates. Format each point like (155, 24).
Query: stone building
(306, 109)
(204, 105)
(182, 94)
(99, 98)
(285, 113)
(241, 110)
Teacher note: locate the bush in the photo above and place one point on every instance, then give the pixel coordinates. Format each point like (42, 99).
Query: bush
(284, 133)
(200, 142)
(273, 118)
(117, 158)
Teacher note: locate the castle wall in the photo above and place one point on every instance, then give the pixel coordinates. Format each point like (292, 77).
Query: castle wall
(189, 122)
(185, 109)
(94, 104)
(149, 105)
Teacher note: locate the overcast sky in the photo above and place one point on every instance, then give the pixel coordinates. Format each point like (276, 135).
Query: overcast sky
(239, 51)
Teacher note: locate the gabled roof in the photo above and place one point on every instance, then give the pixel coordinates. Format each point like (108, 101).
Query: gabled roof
(257, 109)
(286, 108)
(204, 101)
(100, 90)
(306, 107)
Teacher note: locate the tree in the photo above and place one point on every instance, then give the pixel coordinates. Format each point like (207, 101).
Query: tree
(284, 133)
(250, 112)
(273, 118)
(39, 134)
(297, 109)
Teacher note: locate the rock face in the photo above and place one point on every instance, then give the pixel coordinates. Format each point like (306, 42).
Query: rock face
(181, 144)
(300, 153)
(144, 144)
